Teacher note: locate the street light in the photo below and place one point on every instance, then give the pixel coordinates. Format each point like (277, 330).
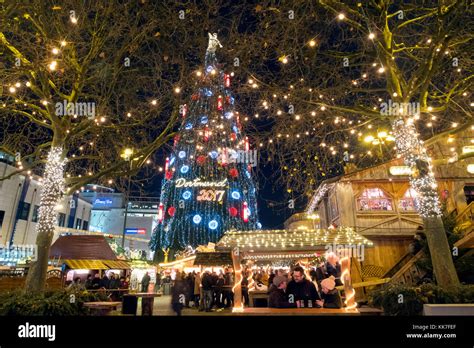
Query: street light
(127, 156)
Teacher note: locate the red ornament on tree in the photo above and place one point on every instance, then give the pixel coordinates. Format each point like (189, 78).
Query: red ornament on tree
(233, 211)
(169, 174)
(220, 104)
(195, 96)
(233, 172)
(233, 136)
(227, 80)
(201, 159)
(171, 211)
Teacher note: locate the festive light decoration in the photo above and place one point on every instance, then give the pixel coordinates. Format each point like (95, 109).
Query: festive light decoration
(160, 212)
(53, 186)
(422, 180)
(346, 281)
(319, 194)
(195, 183)
(292, 239)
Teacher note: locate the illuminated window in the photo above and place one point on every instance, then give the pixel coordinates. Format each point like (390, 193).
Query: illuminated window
(374, 199)
(408, 202)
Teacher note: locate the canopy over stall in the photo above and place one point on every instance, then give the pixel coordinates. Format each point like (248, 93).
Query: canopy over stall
(85, 252)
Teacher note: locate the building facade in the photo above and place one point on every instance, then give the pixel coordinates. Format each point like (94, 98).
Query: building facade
(19, 204)
(108, 212)
(378, 203)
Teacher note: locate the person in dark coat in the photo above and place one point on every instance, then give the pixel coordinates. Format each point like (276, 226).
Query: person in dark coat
(219, 291)
(227, 294)
(206, 284)
(214, 278)
(301, 290)
(190, 286)
(179, 294)
(104, 282)
(277, 297)
(330, 297)
(331, 267)
(270, 279)
(96, 282)
(88, 284)
(145, 282)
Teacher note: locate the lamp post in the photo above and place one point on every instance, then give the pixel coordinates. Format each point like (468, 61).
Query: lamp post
(126, 155)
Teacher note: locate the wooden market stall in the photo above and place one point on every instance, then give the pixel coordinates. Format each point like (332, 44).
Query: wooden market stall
(299, 245)
(80, 255)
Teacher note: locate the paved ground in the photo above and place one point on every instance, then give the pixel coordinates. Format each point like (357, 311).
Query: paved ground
(162, 307)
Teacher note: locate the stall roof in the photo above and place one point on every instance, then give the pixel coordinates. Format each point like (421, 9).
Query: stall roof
(291, 240)
(82, 247)
(213, 259)
(85, 264)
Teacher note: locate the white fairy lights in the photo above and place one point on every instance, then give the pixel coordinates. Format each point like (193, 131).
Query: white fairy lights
(53, 186)
(290, 239)
(413, 151)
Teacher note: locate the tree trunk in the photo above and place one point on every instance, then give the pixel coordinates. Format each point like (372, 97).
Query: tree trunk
(422, 180)
(441, 257)
(51, 191)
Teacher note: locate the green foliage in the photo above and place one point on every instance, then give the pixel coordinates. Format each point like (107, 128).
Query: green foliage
(50, 303)
(411, 303)
(465, 268)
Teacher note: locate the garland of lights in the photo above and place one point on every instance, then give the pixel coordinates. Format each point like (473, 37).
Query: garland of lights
(53, 186)
(422, 180)
(320, 193)
(284, 239)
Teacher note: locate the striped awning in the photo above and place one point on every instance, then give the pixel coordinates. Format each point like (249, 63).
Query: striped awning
(117, 264)
(86, 264)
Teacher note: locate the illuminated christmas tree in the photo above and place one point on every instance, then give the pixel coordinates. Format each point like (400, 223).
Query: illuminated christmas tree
(208, 187)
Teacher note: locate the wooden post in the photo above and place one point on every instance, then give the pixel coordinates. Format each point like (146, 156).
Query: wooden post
(237, 289)
(346, 280)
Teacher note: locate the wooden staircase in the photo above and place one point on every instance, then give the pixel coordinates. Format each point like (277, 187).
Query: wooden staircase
(465, 221)
(406, 271)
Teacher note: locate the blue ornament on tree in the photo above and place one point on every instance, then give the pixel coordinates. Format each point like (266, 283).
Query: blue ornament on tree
(213, 224)
(187, 194)
(197, 219)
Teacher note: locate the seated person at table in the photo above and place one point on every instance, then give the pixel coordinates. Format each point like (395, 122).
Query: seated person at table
(331, 267)
(301, 291)
(329, 294)
(277, 297)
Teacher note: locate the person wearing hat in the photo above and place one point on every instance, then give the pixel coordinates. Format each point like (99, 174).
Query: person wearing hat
(329, 294)
(277, 297)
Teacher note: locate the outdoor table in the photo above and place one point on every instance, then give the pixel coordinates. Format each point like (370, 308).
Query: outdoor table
(298, 311)
(257, 294)
(148, 300)
(102, 308)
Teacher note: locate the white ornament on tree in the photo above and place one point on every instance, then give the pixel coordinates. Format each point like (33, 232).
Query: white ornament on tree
(213, 42)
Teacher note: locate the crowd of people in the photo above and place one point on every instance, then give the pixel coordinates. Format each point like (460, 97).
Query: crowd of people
(212, 291)
(110, 282)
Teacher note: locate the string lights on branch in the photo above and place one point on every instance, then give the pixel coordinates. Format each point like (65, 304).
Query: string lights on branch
(413, 151)
(53, 186)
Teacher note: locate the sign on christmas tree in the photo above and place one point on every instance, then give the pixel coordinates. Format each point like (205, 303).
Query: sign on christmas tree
(208, 187)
